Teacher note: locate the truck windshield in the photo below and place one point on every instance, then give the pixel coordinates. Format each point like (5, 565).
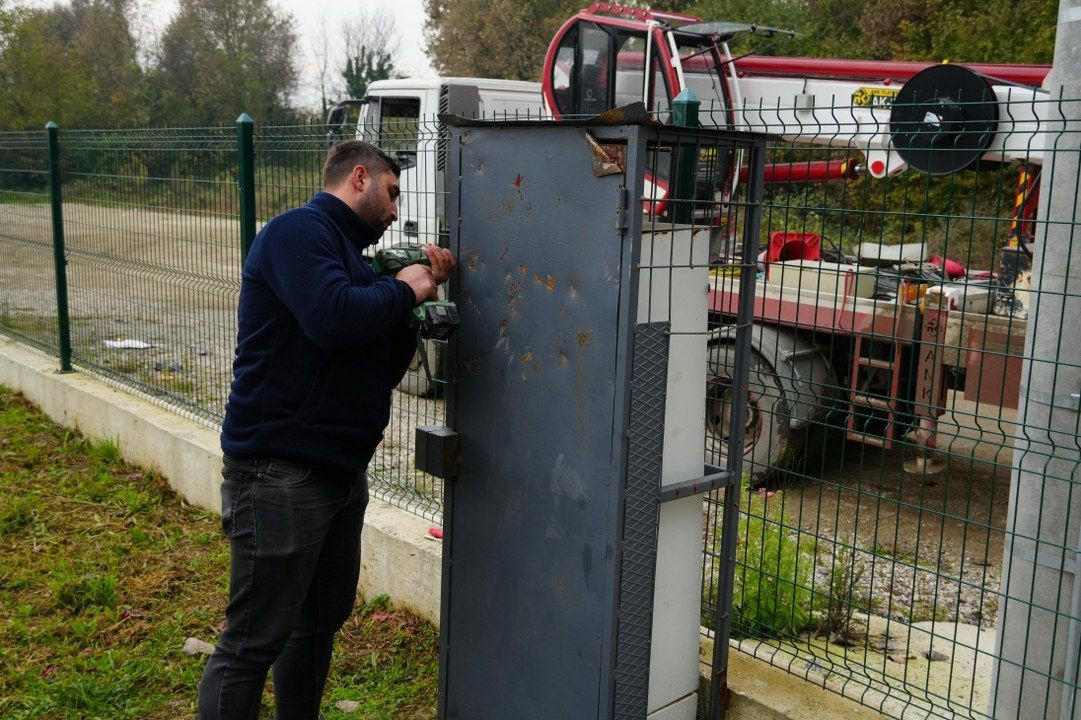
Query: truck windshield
(399, 124)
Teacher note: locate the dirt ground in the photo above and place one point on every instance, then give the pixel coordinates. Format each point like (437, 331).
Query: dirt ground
(927, 543)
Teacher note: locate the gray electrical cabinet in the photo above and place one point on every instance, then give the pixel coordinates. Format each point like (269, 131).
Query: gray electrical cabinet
(573, 531)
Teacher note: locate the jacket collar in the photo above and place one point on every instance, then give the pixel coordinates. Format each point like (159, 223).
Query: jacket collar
(355, 228)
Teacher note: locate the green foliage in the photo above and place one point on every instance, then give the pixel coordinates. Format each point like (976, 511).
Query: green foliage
(361, 70)
(493, 38)
(16, 516)
(90, 590)
(76, 64)
(774, 570)
(219, 58)
(1006, 31)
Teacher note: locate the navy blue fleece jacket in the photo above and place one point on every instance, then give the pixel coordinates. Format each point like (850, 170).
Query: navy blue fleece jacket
(321, 342)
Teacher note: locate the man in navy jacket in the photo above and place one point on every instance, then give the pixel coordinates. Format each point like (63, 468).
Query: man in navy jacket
(321, 343)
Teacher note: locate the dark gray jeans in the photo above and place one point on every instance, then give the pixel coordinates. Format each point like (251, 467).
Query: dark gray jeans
(294, 533)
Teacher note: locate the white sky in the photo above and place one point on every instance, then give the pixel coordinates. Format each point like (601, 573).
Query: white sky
(410, 61)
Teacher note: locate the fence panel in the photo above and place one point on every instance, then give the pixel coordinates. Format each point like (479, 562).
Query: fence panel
(885, 383)
(27, 277)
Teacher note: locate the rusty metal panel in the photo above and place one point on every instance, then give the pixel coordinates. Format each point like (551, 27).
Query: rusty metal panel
(532, 522)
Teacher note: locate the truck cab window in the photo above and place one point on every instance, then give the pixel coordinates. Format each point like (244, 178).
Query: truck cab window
(593, 82)
(399, 125)
(563, 74)
(630, 68)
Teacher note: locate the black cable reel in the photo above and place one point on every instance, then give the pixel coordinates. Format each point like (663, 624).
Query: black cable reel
(943, 119)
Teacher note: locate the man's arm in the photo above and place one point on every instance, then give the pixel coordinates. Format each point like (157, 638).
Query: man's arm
(302, 266)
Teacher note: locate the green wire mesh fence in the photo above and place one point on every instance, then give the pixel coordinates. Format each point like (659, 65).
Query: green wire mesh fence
(888, 547)
(27, 286)
(878, 553)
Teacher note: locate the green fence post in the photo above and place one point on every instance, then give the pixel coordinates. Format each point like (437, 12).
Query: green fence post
(685, 113)
(245, 177)
(60, 260)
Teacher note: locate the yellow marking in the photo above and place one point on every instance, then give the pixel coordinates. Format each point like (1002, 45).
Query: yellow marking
(874, 97)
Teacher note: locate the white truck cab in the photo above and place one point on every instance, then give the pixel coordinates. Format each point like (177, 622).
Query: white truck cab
(401, 117)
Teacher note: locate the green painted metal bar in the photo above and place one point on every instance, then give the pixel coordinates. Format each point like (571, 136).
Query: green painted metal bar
(59, 257)
(245, 149)
(685, 113)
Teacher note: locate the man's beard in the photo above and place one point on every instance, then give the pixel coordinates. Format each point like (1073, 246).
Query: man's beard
(369, 213)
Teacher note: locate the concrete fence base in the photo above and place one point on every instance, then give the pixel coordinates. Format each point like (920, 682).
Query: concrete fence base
(397, 559)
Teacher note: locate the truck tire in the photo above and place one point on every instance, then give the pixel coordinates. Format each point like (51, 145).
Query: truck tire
(416, 383)
(770, 445)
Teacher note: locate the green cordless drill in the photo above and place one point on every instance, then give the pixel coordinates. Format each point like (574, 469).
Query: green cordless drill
(437, 319)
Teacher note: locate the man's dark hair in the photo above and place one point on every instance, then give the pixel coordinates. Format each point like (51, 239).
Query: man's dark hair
(343, 157)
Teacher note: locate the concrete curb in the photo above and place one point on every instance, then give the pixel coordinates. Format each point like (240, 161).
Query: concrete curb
(397, 560)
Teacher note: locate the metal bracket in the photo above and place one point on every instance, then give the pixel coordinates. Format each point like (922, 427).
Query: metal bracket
(436, 451)
(713, 478)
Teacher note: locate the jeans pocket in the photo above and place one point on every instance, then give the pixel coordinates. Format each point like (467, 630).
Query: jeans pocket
(283, 473)
(230, 501)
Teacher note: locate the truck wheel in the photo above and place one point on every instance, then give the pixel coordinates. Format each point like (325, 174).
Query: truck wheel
(416, 382)
(770, 445)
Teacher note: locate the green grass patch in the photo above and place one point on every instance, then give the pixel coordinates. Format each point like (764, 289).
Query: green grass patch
(772, 593)
(104, 572)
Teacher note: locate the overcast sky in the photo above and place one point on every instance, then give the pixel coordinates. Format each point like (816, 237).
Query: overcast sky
(309, 15)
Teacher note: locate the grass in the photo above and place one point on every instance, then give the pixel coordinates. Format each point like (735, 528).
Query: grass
(104, 572)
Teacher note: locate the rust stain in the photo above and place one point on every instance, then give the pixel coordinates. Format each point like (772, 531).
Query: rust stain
(523, 269)
(583, 338)
(608, 158)
(518, 182)
(550, 284)
(525, 357)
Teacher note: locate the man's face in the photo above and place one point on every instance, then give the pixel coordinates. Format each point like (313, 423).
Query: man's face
(377, 203)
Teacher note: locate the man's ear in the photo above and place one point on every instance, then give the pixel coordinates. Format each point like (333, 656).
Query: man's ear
(360, 177)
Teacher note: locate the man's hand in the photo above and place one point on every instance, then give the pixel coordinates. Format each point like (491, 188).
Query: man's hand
(442, 263)
(419, 278)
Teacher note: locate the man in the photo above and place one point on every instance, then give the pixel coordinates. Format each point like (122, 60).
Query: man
(321, 343)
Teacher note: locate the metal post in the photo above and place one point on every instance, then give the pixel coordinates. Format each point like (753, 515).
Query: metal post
(60, 260)
(684, 113)
(245, 178)
(1036, 668)
(722, 620)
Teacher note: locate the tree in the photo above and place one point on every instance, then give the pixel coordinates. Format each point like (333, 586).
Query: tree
(371, 41)
(493, 38)
(75, 64)
(365, 68)
(219, 58)
(321, 52)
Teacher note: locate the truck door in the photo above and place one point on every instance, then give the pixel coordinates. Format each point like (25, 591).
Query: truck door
(394, 124)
